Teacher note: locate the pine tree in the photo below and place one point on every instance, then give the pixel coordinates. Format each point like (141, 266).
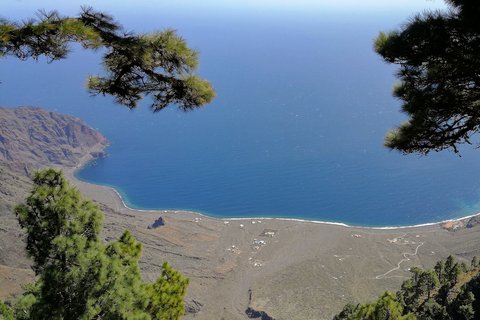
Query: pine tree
(386, 307)
(158, 64)
(6, 313)
(438, 57)
(427, 295)
(79, 277)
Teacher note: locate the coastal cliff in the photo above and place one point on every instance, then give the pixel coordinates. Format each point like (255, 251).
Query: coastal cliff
(32, 138)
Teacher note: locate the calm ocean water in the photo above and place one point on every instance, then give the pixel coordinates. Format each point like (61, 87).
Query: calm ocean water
(296, 130)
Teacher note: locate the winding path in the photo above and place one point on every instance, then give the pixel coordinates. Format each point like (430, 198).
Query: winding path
(405, 258)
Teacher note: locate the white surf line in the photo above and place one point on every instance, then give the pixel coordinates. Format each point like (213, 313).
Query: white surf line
(291, 219)
(125, 206)
(351, 226)
(405, 258)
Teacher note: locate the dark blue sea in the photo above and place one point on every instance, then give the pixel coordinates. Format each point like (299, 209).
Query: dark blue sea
(296, 130)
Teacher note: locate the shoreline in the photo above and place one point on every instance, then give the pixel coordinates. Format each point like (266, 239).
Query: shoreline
(342, 224)
(85, 160)
(260, 263)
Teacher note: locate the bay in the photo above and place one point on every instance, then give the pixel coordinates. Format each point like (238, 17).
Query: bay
(296, 130)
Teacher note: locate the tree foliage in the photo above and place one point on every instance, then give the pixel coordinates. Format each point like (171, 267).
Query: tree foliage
(79, 277)
(386, 307)
(159, 64)
(438, 54)
(448, 292)
(6, 313)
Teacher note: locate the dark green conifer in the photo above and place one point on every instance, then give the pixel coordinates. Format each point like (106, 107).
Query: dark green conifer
(158, 64)
(438, 54)
(78, 277)
(445, 293)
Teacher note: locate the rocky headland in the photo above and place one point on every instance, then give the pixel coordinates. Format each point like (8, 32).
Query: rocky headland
(32, 138)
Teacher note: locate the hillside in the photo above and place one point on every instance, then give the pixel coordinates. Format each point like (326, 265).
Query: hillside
(30, 139)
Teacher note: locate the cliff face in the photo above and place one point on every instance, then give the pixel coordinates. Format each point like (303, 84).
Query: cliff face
(32, 138)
